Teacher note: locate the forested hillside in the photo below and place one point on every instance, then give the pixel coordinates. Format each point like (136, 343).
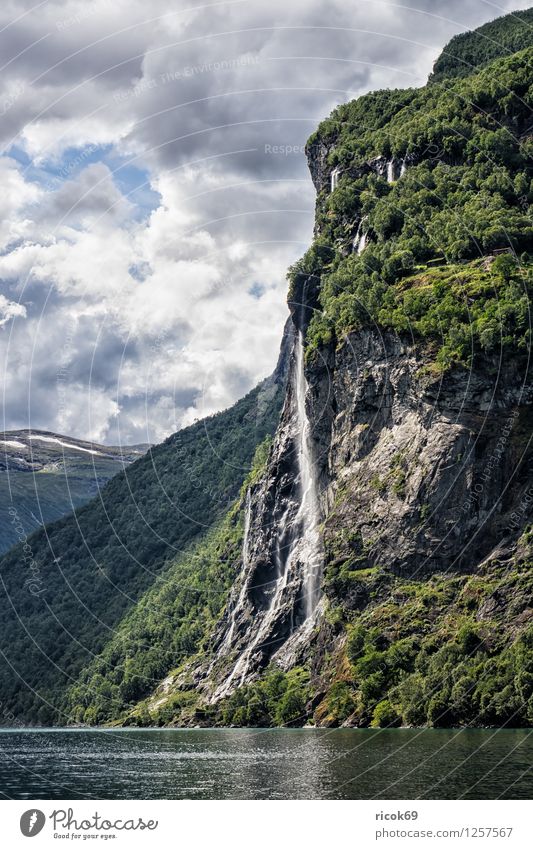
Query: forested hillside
(65, 590)
(472, 50)
(464, 194)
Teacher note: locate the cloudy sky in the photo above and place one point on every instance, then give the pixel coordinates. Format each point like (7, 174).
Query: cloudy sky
(146, 219)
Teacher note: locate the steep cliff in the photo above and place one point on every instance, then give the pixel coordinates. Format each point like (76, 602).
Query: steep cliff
(384, 571)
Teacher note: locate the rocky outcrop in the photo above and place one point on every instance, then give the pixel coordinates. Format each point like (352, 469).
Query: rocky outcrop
(382, 466)
(318, 153)
(414, 474)
(419, 474)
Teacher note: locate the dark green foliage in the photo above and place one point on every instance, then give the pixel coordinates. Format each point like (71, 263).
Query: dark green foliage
(311, 265)
(465, 195)
(480, 687)
(340, 701)
(385, 716)
(472, 50)
(279, 698)
(422, 653)
(465, 310)
(90, 569)
(169, 624)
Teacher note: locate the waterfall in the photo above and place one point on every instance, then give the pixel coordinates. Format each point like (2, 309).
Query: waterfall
(335, 178)
(297, 550)
(359, 242)
(390, 171)
(308, 516)
(228, 639)
(403, 169)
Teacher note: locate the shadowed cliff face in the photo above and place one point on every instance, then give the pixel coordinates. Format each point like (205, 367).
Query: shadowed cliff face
(419, 474)
(413, 474)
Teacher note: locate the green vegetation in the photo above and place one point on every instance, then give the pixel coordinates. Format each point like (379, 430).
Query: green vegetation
(169, 624)
(474, 49)
(88, 570)
(441, 651)
(279, 698)
(465, 195)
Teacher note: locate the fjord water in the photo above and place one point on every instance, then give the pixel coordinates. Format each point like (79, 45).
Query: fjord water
(266, 764)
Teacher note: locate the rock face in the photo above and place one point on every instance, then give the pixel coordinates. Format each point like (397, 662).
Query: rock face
(419, 475)
(317, 158)
(377, 463)
(275, 602)
(321, 171)
(413, 474)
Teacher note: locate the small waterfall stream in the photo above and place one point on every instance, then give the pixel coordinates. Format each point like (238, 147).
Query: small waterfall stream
(335, 174)
(359, 242)
(392, 170)
(296, 555)
(228, 639)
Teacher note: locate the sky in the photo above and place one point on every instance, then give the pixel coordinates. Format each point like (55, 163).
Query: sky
(155, 190)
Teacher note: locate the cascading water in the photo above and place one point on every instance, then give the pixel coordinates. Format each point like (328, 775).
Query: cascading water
(359, 242)
(308, 516)
(403, 169)
(293, 595)
(228, 639)
(335, 178)
(390, 171)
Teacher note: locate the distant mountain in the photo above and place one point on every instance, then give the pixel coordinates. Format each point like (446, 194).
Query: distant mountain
(44, 475)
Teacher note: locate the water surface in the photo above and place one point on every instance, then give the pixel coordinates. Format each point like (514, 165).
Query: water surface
(266, 764)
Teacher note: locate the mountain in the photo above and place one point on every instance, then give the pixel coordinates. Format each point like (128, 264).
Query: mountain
(471, 50)
(371, 563)
(67, 588)
(44, 475)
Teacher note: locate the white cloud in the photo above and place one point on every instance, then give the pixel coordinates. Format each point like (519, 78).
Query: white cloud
(9, 310)
(145, 311)
(16, 199)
